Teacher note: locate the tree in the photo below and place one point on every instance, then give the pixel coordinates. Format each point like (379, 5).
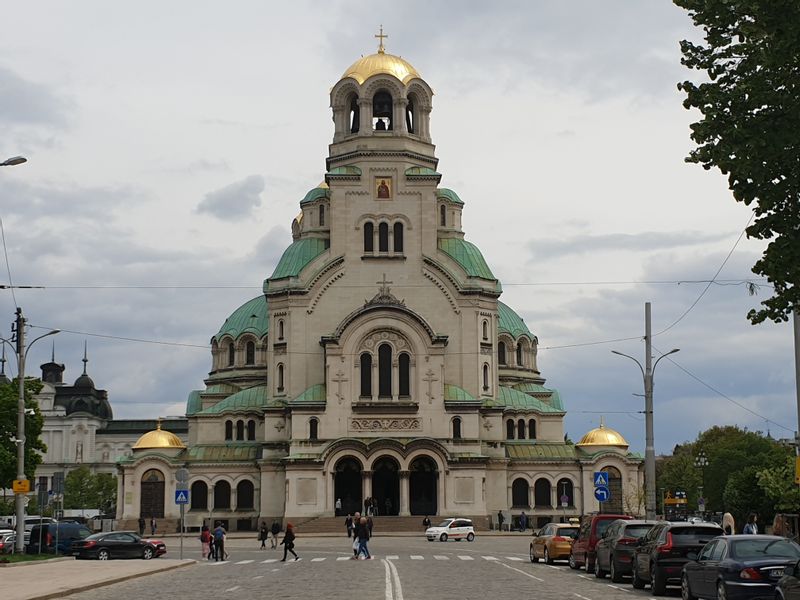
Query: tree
(751, 116)
(84, 489)
(778, 485)
(34, 448)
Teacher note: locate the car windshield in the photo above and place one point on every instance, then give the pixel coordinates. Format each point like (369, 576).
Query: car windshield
(694, 535)
(764, 548)
(637, 531)
(445, 523)
(567, 531)
(602, 526)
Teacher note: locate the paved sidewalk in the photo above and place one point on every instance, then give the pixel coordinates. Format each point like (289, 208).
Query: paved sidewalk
(56, 579)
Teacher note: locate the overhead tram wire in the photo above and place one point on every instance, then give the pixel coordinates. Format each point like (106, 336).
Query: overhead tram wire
(125, 339)
(8, 264)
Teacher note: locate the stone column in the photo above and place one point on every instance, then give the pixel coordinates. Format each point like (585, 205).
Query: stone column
(395, 380)
(554, 495)
(399, 118)
(375, 379)
(425, 123)
(365, 116)
(366, 488)
(405, 507)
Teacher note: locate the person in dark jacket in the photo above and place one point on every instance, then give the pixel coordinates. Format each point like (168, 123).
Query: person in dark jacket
(363, 538)
(275, 530)
(426, 522)
(348, 523)
(263, 534)
(288, 542)
(141, 526)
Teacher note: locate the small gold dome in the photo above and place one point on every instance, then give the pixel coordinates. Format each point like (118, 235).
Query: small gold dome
(158, 438)
(603, 436)
(381, 62)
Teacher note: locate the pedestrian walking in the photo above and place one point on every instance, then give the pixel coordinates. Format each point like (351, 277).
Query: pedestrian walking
(728, 524)
(523, 521)
(141, 526)
(369, 525)
(388, 505)
(500, 519)
(356, 520)
(374, 506)
(363, 537)
(219, 542)
(751, 527)
(153, 525)
(338, 506)
(426, 522)
(367, 504)
(263, 534)
(288, 542)
(275, 530)
(348, 523)
(205, 540)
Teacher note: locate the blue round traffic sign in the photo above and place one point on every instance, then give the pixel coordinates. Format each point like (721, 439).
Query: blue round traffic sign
(602, 493)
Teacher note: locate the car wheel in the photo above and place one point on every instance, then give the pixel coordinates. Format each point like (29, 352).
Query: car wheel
(547, 558)
(722, 593)
(103, 554)
(589, 565)
(572, 563)
(616, 577)
(657, 584)
(637, 582)
(443, 537)
(470, 537)
(148, 553)
(686, 591)
(534, 558)
(598, 572)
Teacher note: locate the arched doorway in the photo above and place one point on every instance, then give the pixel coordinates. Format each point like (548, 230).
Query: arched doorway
(151, 503)
(422, 482)
(347, 485)
(614, 504)
(386, 485)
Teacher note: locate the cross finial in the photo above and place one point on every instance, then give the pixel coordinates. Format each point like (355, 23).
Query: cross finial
(380, 36)
(384, 285)
(85, 360)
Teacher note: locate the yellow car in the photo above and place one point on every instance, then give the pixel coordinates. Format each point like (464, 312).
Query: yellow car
(553, 542)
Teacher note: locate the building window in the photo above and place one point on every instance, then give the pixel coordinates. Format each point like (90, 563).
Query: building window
(198, 496)
(442, 215)
(382, 111)
(398, 237)
(519, 355)
(280, 329)
(519, 493)
(510, 429)
(485, 327)
(521, 429)
(385, 371)
(313, 429)
(250, 358)
(231, 354)
(457, 428)
(222, 495)
(245, 495)
(485, 378)
(541, 493)
(501, 353)
(366, 375)
(228, 430)
(251, 430)
(532, 429)
(322, 215)
(280, 378)
(355, 114)
(404, 373)
(383, 237)
(369, 234)
(239, 430)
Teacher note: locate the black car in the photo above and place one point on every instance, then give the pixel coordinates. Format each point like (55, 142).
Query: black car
(117, 544)
(661, 554)
(616, 548)
(788, 587)
(739, 567)
(55, 537)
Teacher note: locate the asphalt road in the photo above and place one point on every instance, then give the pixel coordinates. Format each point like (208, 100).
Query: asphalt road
(403, 568)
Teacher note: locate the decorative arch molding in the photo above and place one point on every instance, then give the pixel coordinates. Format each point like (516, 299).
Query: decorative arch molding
(159, 458)
(341, 92)
(389, 310)
(513, 475)
(381, 81)
(313, 304)
(367, 454)
(443, 288)
(423, 92)
(394, 337)
(383, 218)
(226, 478)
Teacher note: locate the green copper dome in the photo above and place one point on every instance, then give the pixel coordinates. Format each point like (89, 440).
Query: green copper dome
(468, 256)
(298, 255)
(250, 317)
(511, 322)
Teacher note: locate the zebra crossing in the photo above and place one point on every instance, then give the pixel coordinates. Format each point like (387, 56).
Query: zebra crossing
(395, 557)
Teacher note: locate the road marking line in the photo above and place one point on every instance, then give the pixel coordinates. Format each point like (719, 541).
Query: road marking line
(582, 597)
(618, 588)
(244, 562)
(274, 570)
(258, 577)
(343, 558)
(521, 572)
(317, 559)
(218, 563)
(488, 558)
(552, 566)
(398, 589)
(392, 557)
(233, 589)
(269, 560)
(585, 577)
(465, 557)
(516, 558)
(417, 557)
(440, 557)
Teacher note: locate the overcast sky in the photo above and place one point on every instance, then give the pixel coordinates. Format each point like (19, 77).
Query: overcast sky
(169, 144)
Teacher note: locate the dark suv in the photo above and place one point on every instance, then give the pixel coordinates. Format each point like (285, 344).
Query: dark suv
(56, 537)
(661, 554)
(616, 548)
(592, 529)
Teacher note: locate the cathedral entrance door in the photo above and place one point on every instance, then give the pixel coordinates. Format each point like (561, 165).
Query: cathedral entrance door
(347, 485)
(151, 503)
(386, 485)
(422, 486)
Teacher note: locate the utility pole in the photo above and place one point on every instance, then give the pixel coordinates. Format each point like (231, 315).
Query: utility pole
(19, 497)
(649, 443)
(796, 320)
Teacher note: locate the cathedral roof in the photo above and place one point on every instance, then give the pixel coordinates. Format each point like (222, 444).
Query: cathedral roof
(468, 256)
(381, 62)
(158, 438)
(539, 391)
(603, 436)
(510, 398)
(449, 195)
(453, 393)
(229, 452)
(511, 322)
(250, 317)
(314, 395)
(298, 255)
(248, 400)
(321, 191)
(540, 451)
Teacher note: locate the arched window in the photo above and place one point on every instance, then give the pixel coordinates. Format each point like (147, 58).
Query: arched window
(231, 354)
(251, 430)
(521, 429)
(355, 115)
(442, 215)
(382, 107)
(245, 493)
(519, 355)
(383, 237)
(565, 489)
(485, 328)
(222, 495)
(398, 237)
(510, 429)
(322, 215)
(501, 353)
(532, 429)
(404, 373)
(228, 430)
(485, 378)
(541, 493)
(369, 234)
(366, 375)
(250, 353)
(280, 378)
(280, 329)
(456, 428)
(198, 496)
(519, 493)
(239, 430)
(410, 124)
(385, 371)
(313, 429)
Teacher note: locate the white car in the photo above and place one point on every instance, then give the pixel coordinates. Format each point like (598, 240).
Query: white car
(456, 529)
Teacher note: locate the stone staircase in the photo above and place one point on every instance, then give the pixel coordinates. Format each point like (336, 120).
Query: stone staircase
(381, 525)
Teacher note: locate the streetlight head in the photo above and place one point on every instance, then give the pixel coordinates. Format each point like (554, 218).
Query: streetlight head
(14, 160)
(615, 352)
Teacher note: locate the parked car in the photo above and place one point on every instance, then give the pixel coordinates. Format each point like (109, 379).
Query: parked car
(592, 529)
(552, 542)
(55, 537)
(661, 554)
(615, 550)
(738, 566)
(7, 539)
(117, 544)
(457, 529)
(788, 586)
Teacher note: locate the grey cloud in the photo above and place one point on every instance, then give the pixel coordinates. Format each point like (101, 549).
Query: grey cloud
(234, 201)
(28, 103)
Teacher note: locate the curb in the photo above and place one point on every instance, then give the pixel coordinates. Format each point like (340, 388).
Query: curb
(99, 584)
(33, 563)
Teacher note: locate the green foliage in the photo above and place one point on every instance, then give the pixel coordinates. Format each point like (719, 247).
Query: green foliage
(779, 486)
(84, 489)
(9, 398)
(751, 116)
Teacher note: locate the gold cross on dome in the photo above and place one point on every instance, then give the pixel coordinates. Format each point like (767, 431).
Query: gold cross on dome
(380, 37)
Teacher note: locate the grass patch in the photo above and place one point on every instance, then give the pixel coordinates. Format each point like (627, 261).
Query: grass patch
(16, 558)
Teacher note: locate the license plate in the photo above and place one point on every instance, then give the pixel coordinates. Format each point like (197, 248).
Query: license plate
(776, 573)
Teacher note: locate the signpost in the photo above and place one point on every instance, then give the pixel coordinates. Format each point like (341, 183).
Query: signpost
(182, 497)
(602, 493)
(21, 486)
(600, 479)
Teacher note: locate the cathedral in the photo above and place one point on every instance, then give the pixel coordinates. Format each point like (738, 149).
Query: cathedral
(379, 362)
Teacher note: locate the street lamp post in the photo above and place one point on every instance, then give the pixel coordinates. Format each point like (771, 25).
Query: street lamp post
(649, 450)
(701, 462)
(13, 161)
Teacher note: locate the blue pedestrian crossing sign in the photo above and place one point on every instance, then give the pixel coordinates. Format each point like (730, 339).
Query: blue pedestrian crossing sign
(602, 493)
(600, 479)
(181, 496)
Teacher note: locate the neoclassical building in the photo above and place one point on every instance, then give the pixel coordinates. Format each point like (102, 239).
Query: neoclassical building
(379, 360)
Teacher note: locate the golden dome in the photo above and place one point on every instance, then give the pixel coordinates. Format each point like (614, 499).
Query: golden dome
(381, 62)
(158, 438)
(603, 436)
